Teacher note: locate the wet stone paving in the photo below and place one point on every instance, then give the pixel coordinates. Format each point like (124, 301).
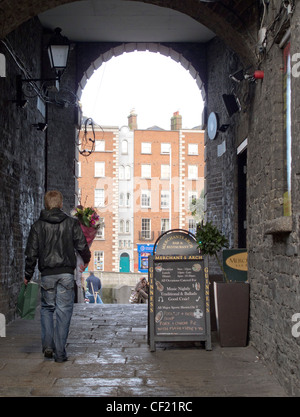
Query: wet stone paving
(109, 356)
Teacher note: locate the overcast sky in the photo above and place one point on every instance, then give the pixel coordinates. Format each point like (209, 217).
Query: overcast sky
(153, 85)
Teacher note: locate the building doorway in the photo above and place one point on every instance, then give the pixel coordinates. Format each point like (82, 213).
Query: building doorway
(124, 262)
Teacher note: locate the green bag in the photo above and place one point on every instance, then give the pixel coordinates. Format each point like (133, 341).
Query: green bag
(27, 300)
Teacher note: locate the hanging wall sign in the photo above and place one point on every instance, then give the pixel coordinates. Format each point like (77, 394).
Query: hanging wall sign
(178, 305)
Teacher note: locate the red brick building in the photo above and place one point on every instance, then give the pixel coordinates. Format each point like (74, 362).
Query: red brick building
(141, 182)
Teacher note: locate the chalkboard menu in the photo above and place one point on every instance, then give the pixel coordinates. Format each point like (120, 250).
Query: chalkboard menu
(178, 291)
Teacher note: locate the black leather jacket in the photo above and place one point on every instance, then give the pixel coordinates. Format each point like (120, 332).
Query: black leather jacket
(52, 242)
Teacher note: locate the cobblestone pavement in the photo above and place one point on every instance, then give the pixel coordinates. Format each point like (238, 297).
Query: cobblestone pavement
(109, 357)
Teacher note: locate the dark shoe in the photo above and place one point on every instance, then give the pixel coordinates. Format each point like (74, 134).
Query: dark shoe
(48, 353)
(60, 360)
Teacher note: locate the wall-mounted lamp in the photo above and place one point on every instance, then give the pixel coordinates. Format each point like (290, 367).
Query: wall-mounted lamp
(40, 126)
(58, 51)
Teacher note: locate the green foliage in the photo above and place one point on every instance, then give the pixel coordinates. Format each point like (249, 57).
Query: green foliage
(210, 241)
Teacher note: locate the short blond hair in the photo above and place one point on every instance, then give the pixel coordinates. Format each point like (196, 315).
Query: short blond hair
(53, 199)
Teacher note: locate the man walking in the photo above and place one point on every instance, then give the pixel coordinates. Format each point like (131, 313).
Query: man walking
(52, 242)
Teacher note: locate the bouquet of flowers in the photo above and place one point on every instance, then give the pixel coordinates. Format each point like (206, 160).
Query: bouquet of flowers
(90, 222)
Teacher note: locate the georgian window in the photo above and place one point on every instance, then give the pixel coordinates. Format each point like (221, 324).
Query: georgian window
(127, 172)
(124, 148)
(164, 225)
(99, 145)
(146, 228)
(192, 172)
(165, 148)
(146, 199)
(165, 199)
(99, 169)
(99, 260)
(165, 172)
(146, 170)
(193, 148)
(146, 147)
(99, 197)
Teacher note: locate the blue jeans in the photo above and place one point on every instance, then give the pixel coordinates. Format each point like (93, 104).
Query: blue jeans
(57, 295)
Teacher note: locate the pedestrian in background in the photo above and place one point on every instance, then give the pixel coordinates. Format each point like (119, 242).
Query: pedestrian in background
(52, 242)
(142, 289)
(93, 288)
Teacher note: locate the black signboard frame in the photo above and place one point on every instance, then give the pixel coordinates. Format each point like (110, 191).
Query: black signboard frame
(178, 305)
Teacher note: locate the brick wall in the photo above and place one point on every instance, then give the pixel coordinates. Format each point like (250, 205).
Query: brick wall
(22, 154)
(272, 238)
(30, 160)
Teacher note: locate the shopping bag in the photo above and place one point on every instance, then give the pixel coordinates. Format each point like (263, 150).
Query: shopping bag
(27, 300)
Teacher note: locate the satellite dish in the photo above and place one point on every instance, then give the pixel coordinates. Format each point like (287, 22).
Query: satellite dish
(212, 125)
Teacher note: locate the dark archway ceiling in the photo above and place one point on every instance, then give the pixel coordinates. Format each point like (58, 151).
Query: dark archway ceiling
(124, 21)
(234, 21)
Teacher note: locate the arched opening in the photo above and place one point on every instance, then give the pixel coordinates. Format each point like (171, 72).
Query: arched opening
(153, 84)
(140, 47)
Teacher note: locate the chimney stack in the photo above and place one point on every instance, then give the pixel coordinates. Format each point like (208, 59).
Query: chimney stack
(176, 121)
(132, 120)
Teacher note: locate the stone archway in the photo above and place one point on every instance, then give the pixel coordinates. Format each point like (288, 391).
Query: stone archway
(135, 46)
(232, 23)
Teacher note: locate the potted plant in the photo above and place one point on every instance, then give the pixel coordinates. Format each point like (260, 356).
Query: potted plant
(231, 298)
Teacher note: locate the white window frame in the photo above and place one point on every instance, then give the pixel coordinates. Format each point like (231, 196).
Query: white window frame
(99, 197)
(193, 149)
(121, 172)
(164, 225)
(100, 146)
(122, 226)
(124, 147)
(99, 169)
(193, 172)
(146, 199)
(165, 148)
(99, 258)
(146, 228)
(192, 226)
(100, 232)
(128, 199)
(164, 199)
(146, 171)
(127, 172)
(146, 147)
(192, 196)
(165, 171)
(121, 200)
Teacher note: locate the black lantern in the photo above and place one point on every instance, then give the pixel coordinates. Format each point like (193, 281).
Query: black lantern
(58, 51)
